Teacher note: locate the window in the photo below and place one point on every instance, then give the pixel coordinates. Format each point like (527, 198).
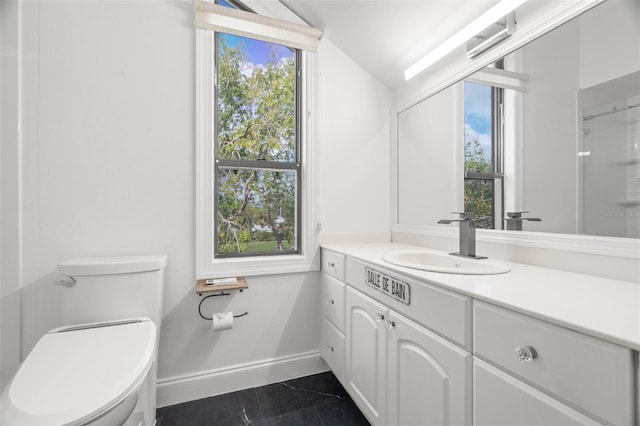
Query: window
(257, 165)
(483, 140)
(256, 126)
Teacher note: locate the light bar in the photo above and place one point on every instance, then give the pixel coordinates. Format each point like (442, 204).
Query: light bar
(492, 15)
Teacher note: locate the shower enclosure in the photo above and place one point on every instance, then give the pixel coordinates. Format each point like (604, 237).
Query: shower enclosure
(609, 159)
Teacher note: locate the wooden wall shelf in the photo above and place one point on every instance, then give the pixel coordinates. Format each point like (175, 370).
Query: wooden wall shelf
(203, 288)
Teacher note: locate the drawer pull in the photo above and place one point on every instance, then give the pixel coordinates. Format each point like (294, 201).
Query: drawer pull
(331, 264)
(526, 353)
(379, 317)
(330, 348)
(332, 302)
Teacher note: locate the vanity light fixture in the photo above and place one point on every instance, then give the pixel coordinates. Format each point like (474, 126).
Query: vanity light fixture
(480, 24)
(491, 36)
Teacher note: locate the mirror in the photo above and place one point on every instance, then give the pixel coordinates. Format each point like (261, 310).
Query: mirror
(553, 129)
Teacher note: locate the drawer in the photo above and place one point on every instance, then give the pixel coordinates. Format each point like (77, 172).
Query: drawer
(332, 348)
(502, 400)
(332, 300)
(589, 373)
(333, 264)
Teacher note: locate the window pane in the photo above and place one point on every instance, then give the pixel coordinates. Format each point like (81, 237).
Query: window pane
(478, 199)
(478, 152)
(256, 211)
(478, 128)
(256, 100)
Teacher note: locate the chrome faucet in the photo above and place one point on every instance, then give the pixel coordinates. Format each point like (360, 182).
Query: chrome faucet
(514, 220)
(467, 237)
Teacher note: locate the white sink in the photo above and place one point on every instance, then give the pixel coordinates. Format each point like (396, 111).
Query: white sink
(446, 263)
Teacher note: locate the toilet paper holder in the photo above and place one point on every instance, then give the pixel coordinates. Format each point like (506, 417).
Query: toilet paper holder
(202, 287)
(214, 295)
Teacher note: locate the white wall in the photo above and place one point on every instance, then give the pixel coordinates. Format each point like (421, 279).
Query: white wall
(601, 47)
(430, 159)
(108, 165)
(549, 169)
(354, 146)
(10, 252)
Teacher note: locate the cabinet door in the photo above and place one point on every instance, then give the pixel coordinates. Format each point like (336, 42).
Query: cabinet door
(365, 353)
(429, 379)
(499, 399)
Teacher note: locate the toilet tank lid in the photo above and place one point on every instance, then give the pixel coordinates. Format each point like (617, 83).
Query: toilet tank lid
(112, 265)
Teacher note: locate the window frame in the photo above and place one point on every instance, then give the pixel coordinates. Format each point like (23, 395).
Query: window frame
(207, 264)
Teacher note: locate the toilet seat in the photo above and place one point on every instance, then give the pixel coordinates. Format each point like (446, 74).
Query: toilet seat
(75, 374)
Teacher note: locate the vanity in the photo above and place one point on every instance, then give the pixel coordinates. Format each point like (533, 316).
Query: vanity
(535, 143)
(523, 347)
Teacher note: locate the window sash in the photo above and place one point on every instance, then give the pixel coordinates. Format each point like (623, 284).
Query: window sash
(256, 164)
(285, 252)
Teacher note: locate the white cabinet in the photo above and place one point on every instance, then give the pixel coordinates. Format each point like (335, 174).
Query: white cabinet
(502, 400)
(445, 312)
(399, 373)
(429, 379)
(332, 348)
(588, 374)
(443, 358)
(366, 358)
(332, 298)
(333, 264)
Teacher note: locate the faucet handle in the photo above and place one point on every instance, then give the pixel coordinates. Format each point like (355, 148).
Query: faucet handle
(516, 215)
(464, 215)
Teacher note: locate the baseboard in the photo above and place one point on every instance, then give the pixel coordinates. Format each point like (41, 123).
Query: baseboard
(178, 389)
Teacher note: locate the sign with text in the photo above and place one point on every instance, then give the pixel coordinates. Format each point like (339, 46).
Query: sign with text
(390, 286)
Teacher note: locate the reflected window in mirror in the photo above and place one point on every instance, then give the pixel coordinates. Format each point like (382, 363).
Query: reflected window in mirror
(483, 147)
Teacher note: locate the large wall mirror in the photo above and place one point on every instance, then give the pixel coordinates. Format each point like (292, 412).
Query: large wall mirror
(552, 129)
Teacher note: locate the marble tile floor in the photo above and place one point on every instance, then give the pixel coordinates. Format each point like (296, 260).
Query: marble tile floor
(317, 400)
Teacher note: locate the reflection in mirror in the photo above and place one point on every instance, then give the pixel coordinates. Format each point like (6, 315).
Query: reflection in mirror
(429, 183)
(609, 158)
(556, 133)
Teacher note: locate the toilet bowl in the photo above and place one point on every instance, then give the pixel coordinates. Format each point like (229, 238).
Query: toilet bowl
(88, 374)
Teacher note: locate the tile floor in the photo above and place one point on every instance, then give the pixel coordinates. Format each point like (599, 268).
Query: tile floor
(307, 401)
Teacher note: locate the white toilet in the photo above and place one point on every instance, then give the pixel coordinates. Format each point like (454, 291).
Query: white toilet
(100, 367)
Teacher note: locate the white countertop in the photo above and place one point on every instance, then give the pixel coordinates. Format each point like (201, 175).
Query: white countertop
(600, 307)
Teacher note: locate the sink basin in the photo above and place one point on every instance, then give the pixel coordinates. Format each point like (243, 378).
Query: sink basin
(446, 263)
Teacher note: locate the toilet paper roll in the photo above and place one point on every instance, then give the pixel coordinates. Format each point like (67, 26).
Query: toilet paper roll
(222, 321)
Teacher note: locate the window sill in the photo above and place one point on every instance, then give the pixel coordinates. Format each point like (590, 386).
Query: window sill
(259, 265)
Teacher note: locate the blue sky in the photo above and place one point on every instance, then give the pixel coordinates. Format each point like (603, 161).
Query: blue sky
(258, 51)
(477, 114)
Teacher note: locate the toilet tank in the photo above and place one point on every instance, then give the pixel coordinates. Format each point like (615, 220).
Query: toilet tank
(113, 288)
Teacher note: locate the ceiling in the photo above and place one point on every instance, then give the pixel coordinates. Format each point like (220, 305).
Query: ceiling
(387, 36)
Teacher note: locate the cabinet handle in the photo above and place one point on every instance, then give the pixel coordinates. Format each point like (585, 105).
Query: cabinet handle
(379, 317)
(332, 302)
(331, 264)
(389, 324)
(526, 353)
(330, 348)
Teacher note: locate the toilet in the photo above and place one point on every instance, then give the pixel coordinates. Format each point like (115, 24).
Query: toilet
(100, 366)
